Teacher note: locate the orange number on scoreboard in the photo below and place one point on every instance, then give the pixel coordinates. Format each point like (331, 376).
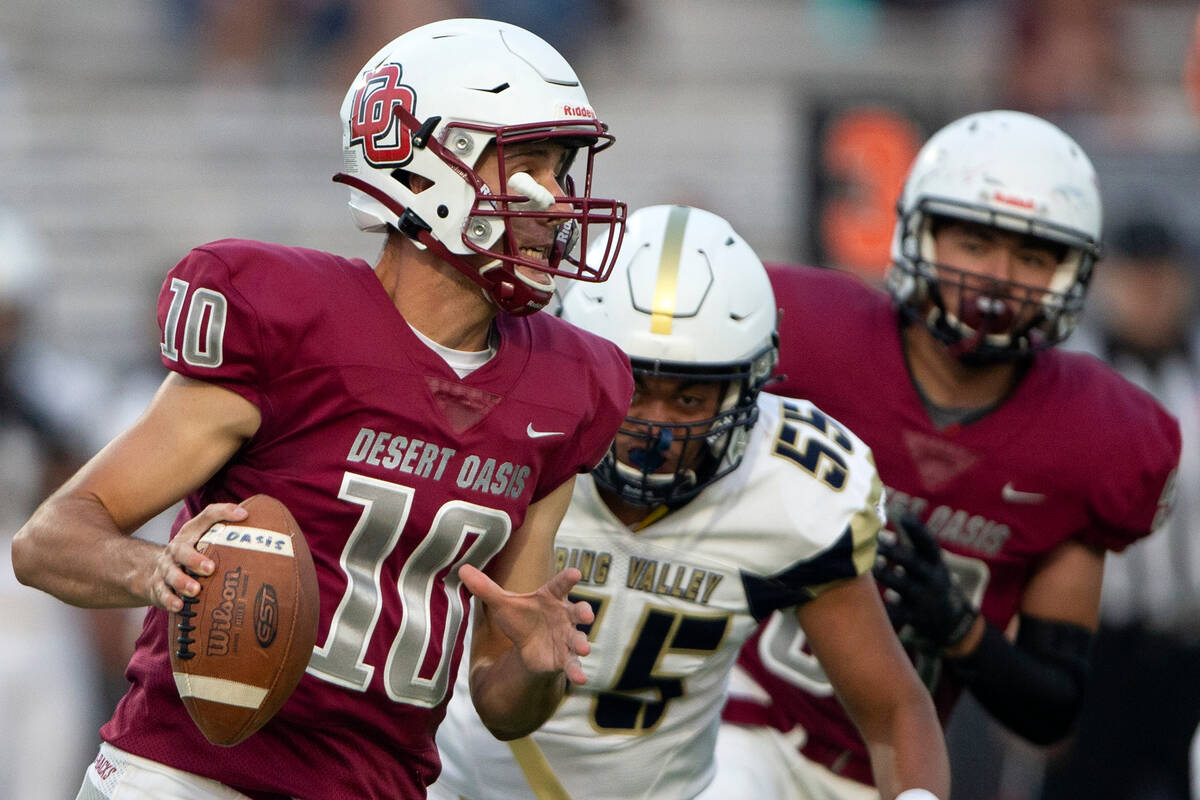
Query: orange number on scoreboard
(867, 151)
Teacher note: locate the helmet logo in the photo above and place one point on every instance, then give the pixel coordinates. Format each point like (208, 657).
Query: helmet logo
(373, 122)
(1013, 200)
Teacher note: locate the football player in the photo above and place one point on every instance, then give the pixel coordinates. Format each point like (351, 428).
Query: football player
(420, 422)
(717, 504)
(1011, 467)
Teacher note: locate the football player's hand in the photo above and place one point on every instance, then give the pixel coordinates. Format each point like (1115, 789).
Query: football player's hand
(925, 596)
(171, 581)
(541, 624)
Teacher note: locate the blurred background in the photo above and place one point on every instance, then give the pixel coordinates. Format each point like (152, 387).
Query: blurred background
(133, 130)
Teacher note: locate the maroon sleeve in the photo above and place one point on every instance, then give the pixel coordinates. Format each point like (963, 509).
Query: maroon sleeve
(811, 300)
(210, 331)
(1135, 494)
(613, 393)
(602, 391)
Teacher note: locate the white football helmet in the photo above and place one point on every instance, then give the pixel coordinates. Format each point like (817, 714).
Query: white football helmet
(429, 104)
(1016, 172)
(690, 300)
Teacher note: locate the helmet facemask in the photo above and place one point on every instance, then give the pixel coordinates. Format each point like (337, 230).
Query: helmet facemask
(983, 319)
(1018, 174)
(663, 463)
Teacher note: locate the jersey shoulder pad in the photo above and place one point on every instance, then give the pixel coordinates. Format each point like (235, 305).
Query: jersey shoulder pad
(829, 319)
(564, 344)
(1130, 446)
(816, 483)
(586, 375)
(234, 311)
(826, 292)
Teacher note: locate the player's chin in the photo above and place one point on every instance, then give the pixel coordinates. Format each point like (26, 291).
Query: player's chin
(537, 278)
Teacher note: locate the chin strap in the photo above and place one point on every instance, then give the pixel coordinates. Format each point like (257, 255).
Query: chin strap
(503, 293)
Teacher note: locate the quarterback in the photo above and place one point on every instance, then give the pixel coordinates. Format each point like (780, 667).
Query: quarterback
(1011, 466)
(421, 423)
(717, 505)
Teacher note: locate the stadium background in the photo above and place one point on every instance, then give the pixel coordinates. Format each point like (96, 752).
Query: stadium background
(132, 130)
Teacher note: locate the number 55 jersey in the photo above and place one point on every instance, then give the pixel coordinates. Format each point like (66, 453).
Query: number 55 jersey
(674, 600)
(397, 470)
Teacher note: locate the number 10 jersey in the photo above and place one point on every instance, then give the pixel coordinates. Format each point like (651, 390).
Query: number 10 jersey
(397, 471)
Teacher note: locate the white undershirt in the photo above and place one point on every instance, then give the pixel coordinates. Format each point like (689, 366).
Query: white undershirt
(463, 362)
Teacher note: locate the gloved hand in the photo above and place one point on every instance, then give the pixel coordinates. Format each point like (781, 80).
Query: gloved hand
(928, 599)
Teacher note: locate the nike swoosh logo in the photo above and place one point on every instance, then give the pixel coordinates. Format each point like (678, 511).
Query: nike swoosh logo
(539, 434)
(1013, 496)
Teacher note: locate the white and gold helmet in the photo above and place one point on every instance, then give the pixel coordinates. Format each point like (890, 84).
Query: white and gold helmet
(688, 299)
(1015, 172)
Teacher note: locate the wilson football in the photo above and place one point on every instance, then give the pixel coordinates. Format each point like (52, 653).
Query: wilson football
(242, 644)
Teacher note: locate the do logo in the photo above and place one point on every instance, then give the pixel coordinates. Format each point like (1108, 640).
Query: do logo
(373, 121)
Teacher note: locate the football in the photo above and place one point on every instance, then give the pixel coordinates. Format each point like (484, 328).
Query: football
(242, 644)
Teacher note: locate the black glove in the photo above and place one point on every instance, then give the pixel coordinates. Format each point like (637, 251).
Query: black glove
(928, 600)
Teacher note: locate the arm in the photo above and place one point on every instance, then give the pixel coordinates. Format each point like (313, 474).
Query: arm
(77, 545)
(848, 632)
(1066, 587)
(1035, 685)
(525, 639)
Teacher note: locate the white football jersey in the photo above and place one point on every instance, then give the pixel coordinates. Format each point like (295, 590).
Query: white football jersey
(674, 601)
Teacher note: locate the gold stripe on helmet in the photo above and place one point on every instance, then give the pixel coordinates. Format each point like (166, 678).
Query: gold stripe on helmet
(667, 287)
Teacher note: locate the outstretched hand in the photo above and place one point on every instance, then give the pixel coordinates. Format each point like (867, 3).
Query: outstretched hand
(925, 597)
(541, 624)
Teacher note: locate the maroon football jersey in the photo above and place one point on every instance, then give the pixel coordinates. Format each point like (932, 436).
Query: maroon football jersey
(1076, 452)
(398, 473)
